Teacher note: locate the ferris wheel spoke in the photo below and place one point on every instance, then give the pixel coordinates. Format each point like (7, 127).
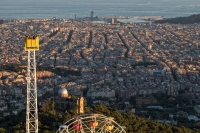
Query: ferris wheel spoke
(91, 123)
(86, 126)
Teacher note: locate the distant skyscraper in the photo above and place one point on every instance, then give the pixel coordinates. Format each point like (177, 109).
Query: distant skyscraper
(86, 39)
(92, 15)
(150, 46)
(113, 21)
(147, 34)
(75, 16)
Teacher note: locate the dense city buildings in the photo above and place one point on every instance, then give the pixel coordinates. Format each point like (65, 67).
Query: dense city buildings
(113, 63)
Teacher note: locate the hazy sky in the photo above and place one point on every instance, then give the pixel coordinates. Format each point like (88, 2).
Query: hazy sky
(67, 8)
(58, 2)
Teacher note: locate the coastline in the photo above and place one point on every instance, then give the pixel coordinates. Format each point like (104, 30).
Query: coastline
(102, 19)
(195, 18)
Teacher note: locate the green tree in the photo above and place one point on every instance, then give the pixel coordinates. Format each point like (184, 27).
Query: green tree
(45, 131)
(2, 130)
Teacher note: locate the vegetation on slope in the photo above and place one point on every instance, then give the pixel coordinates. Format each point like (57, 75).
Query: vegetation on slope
(182, 20)
(59, 71)
(49, 121)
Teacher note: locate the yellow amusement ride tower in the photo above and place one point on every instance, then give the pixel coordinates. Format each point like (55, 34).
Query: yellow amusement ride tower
(31, 44)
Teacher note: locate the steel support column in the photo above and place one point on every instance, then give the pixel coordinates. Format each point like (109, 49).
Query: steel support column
(31, 103)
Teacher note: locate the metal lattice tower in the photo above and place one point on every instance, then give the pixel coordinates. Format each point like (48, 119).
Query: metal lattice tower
(31, 45)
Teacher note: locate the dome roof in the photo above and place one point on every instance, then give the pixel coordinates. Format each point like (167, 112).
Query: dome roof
(62, 92)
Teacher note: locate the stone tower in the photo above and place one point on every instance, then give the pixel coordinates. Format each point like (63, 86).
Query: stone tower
(80, 104)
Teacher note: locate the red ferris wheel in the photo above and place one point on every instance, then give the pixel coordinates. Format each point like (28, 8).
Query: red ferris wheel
(91, 123)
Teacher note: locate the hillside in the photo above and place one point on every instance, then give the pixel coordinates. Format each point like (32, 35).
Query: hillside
(49, 121)
(182, 20)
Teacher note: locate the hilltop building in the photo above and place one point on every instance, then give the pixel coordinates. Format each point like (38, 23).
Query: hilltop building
(66, 102)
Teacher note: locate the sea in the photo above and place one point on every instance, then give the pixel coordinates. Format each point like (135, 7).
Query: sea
(31, 9)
